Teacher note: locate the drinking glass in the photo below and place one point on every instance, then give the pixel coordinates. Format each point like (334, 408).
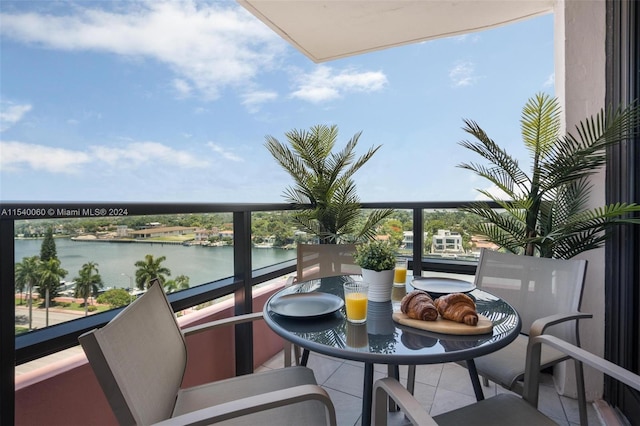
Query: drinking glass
(355, 299)
(400, 271)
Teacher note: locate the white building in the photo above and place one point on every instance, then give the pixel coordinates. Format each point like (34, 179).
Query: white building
(446, 241)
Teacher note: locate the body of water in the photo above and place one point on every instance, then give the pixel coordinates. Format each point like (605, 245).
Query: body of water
(116, 260)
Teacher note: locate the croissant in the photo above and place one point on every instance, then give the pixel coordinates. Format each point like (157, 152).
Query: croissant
(419, 305)
(457, 307)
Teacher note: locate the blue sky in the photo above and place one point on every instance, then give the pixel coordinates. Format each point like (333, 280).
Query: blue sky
(171, 101)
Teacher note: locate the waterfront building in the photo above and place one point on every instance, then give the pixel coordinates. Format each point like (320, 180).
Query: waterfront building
(163, 231)
(447, 242)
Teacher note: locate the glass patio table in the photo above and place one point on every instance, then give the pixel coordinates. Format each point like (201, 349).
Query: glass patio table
(380, 340)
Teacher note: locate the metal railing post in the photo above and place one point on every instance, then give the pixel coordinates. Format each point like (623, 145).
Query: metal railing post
(418, 241)
(7, 324)
(243, 296)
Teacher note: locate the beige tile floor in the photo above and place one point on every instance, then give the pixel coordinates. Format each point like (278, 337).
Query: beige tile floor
(439, 388)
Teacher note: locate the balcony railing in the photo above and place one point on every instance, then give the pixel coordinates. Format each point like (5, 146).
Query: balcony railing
(15, 350)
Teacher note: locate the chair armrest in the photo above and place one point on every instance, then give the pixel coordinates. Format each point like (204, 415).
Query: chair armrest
(238, 319)
(389, 387)
(255, 404)
(531, 375)
(541, 324)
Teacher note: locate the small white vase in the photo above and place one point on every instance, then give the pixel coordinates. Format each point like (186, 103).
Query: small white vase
(380, 284)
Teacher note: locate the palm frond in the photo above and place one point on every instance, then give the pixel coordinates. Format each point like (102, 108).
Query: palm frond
(548, 212)
(504, 171)
(491, 152)
(495, 234)
(610, 127)
(571, 245)
(540, 124)
(578, 158)
(512, 224)
(374, 218)
(568, 200)
(323, 190)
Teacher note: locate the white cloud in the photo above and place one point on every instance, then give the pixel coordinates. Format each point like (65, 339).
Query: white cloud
(462, 74)
(325, 84)
(227, 155)
(253, 100)
(551, 81)
(138, 153)
(207, 45)
(10, 114)
(19, 155)
(182, 87)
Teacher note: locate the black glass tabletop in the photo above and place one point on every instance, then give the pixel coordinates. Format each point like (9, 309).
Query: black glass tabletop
(380, 339)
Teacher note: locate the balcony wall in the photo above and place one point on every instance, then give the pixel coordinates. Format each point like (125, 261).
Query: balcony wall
(68, 392)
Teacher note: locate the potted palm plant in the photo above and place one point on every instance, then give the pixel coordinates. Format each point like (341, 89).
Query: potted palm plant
(545, 211)
(377, 260)
(324, 194)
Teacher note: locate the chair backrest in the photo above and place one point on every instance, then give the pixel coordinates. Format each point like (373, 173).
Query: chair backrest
(536, 287)
(139, 358)
(326, 260)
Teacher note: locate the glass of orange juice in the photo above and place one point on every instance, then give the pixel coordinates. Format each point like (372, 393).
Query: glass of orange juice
(400, 271)
(355, 300)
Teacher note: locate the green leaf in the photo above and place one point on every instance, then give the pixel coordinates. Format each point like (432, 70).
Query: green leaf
(546, 211)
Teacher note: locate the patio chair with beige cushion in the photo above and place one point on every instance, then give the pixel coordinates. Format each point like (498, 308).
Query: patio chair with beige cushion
(139, 359)
(325, 260)
(319, 261)
(546, 293)
(502, 409)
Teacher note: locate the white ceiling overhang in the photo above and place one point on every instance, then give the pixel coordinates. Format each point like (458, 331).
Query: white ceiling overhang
(330, 29)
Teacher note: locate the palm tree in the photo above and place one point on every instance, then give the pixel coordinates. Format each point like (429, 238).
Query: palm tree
(88, 283)
(547, 213)
(50, 275)
(180, 283)
(27, 273)
(324, 192)
(150, 268)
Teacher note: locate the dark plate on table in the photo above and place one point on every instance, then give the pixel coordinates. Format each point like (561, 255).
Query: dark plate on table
(306, 305)
(441, 286)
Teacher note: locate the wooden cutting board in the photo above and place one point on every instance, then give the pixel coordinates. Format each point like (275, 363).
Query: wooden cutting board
(444, 326)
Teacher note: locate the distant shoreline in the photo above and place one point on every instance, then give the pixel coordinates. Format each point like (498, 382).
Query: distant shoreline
(123, 240)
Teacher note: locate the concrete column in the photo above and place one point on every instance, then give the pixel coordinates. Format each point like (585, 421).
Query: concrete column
(580, 80)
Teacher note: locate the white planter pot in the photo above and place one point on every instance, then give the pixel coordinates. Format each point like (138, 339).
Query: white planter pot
(380, 284)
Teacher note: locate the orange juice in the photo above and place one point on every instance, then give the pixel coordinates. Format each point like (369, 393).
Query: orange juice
(356, 304)
(400, 275)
